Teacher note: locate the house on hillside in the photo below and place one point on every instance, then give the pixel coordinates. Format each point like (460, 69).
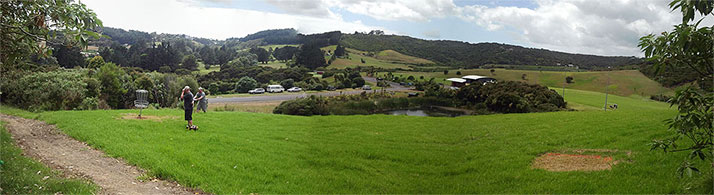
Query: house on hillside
(457, 82)
(473, 79)
(469, 80)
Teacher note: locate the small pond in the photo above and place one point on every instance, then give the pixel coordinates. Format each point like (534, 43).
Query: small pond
(426, 112)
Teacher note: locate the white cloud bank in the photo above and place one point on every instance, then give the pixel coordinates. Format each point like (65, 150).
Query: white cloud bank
(604, 27)
(186, 17)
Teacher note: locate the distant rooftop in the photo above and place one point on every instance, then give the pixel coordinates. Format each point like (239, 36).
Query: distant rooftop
(458, 80)
(475, 77)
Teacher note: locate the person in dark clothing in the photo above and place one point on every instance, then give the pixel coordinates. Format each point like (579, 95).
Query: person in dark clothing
(187, 98)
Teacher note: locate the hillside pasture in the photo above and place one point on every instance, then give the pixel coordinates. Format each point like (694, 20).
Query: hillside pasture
(622, 82)
(388, 59)
(236, 152)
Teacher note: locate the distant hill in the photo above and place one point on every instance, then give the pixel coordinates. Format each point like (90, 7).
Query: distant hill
(442, 52)
(274, 37)
(463, 54)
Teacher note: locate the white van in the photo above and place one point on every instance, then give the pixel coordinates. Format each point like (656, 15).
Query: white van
(275, 89)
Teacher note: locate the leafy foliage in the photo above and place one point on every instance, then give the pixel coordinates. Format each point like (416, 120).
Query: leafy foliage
(693, 122)
(245, 84)
(691, 47)
(27, 23)
(303, 106)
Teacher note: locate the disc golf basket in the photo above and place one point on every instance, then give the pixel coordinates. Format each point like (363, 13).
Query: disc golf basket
(141, 102)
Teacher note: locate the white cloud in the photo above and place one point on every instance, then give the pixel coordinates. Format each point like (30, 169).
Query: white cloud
(411, 10)
(581, 26)
(186, 17)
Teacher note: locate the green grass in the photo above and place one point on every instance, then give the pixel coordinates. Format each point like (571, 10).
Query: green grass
(203, 71)
(23, 175)
(18, 112)
(623, 82)
(355, 60)
(274, 64)
(391, 55)
(237, 152)
(267, 47)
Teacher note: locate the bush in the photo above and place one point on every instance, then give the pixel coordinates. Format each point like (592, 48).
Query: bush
(89, 103)
(660, 97)
(317, 87)
(358, 82)
(112, 91)
(512, 96)
(53, 90)
(245, 84)
(303, 106)
(287, 83)
(182, 71)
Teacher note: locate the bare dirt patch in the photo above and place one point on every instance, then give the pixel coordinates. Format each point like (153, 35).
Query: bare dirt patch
(135, 116)
(580, 160)
(75, 159)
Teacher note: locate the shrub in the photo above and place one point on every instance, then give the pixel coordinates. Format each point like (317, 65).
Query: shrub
(89, 103)
(317, 87)
(93, 87)
(207, 66)
(358, 82)
(287, 83)
(165, 69)
(660, 97)
(512, 96)
(569, 79)
(458, 72)
(245, 84)
(109, 77)
(182, 71)
(53, 90)
(95, 62)
(303, 106)
(446, 72)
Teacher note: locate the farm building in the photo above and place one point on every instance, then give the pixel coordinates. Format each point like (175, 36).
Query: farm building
(457, 82)
(470, 79)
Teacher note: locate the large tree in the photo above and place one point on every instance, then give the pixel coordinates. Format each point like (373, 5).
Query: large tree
(27, 27)
(310, 56)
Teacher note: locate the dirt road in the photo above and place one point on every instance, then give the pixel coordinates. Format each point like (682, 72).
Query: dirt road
(52, 147)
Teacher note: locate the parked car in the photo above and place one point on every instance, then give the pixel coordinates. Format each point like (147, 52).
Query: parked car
(275, 89)
(257, 91)
(331, 88)
(366, 87)
(295, 89)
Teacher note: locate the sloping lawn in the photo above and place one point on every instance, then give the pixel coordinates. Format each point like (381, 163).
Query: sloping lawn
(236, 152)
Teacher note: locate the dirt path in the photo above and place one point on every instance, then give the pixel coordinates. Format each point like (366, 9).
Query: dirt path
(52, 147)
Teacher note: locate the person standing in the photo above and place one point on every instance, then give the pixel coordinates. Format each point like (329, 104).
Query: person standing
(202, 101)
(187, 98)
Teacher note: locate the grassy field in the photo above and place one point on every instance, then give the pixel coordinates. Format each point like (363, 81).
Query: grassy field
(274, 64)
(267, 47)
(203, 71)
(623, 82)
(23, 175)
(237, 152)
(385, 59)
(391, 55)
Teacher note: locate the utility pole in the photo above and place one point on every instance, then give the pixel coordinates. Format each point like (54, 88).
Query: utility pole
(566, 82)
(608, 84)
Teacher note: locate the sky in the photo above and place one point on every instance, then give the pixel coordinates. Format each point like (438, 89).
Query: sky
(599, 27)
